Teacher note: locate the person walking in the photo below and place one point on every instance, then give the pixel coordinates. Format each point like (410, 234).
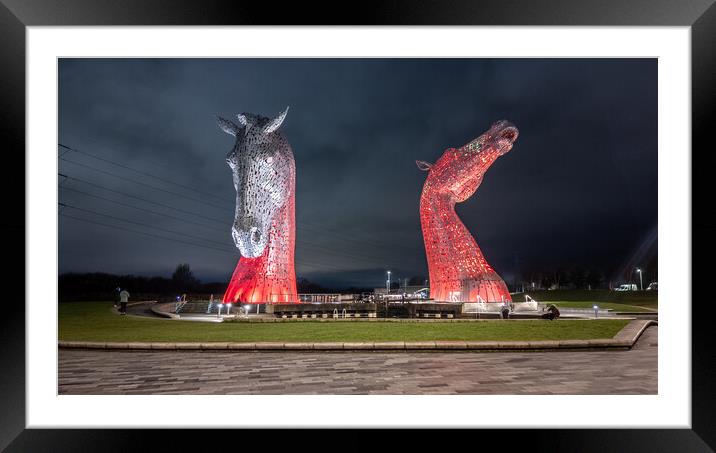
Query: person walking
(123, 298)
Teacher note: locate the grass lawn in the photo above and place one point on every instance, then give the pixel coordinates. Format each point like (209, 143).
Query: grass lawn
(601, 297)
(603, 305)
(95, 321)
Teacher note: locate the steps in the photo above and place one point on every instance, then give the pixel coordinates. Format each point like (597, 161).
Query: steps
(200, 307)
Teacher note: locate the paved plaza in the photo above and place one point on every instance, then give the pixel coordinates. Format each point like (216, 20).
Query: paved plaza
(180, 372)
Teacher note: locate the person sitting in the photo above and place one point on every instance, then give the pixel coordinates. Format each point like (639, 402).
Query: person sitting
(552, 313)
(505, 311)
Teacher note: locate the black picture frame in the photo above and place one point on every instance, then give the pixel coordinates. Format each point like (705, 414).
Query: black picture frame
(16, 15)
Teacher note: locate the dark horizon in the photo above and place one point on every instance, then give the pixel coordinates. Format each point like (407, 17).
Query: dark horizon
(579, 189)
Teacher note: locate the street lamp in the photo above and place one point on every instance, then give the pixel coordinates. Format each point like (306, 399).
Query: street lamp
(641, 284)
(387, 284)
(596, 311)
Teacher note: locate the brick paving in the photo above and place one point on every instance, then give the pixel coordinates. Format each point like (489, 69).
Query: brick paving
(371, 372)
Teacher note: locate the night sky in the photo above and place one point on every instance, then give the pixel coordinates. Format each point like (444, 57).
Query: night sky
(579, 187)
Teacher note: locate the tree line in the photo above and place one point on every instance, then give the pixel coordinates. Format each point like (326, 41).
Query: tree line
(103, 286)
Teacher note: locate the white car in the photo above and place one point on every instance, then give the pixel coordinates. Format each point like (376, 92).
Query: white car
(652, 287)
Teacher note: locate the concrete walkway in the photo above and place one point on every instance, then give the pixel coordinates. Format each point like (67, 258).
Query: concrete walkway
(631, 371)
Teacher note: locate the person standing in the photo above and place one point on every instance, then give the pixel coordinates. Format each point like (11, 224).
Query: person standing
(123, 298)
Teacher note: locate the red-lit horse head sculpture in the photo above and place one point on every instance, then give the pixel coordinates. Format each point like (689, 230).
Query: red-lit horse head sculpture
(264, 174)
(458, 270)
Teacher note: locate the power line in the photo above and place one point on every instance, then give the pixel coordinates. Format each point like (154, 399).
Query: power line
(300, 262)
(336, 234)
(308, 225)
(123, 178)
(145, 158)
(318, 228)
(139, 223)
(226, 250)
(145, 210)
(300, 242)
(309, 228)
(144, 233)
(141, 199)
(94, 156)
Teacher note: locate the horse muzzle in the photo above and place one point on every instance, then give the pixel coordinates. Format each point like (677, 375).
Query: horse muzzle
(250, 238)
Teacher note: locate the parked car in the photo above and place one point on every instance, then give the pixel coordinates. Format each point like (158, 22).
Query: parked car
(626, 287)
(652, 287)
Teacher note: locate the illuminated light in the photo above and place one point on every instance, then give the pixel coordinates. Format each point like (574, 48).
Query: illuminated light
(264, 228)
(458, 269)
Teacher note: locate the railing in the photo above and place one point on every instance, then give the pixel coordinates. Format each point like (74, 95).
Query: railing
(319, 298)
(180, 303)
(532, 304)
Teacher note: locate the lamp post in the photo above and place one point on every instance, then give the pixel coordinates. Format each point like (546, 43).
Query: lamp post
(387, 292)
(641, 284)
(596, 311)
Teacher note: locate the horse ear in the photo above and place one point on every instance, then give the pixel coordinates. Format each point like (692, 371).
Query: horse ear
(227, 126)
(424, 166)
(275, 123)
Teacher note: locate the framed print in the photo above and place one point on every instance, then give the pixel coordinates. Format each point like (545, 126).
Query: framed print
(416, 211)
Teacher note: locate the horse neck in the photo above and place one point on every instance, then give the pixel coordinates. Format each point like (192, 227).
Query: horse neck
(447, 240)
(282, 242)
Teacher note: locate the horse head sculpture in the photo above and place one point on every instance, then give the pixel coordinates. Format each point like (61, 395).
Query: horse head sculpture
(458, 270)
(264, 175)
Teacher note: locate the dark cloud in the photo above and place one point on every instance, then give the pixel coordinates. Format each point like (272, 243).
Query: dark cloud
(579, 188)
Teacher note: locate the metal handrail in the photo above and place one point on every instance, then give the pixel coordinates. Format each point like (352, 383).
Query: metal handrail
(180, 304)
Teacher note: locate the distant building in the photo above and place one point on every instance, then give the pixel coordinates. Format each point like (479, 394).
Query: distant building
(411, 290)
